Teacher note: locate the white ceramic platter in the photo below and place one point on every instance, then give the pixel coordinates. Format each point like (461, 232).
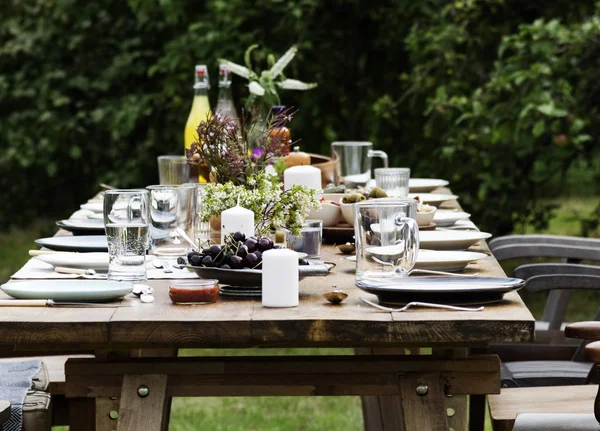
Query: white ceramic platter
(96, 207)
(450, 240)
(450, 261)
(435, 199)
(425, 185)
(445, 218)
(67, 290)
(446, 260)
(95, 261)
(75, 243)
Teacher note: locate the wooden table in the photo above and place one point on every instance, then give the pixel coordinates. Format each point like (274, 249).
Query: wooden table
(422, 386)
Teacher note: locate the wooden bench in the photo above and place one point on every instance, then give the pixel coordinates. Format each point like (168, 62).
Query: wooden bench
(505, 407)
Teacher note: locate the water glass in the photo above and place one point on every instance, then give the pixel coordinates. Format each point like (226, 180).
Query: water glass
(173, 215)
(310, 238)
(353, 162)
(394, 181)
(173, 170)
(387, 240)
(126, 223)
(202, 228)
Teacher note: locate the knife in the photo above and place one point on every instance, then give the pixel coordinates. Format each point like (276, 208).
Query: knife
(85, 273)
(52, 303)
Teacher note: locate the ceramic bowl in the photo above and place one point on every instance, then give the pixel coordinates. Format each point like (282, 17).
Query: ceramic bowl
(347, 212)
(424, 218)
(332, 197)
(329, 213)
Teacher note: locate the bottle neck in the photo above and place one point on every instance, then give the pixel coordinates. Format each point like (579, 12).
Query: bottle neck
(200, 91)
(225, 92)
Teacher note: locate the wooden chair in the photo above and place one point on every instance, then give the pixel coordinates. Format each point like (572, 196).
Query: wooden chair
(563, 359)
(557, 408)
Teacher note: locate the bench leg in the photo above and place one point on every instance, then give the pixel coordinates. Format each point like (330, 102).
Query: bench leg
(82, 413)
(143, 402)
(107, 413)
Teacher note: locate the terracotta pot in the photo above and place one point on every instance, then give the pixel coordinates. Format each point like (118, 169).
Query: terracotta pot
(215, 229)
(328, 167)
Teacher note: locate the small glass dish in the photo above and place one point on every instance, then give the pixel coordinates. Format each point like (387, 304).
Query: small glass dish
(201, 291)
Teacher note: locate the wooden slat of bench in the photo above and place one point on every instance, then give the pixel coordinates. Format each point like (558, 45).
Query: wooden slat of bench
(505, 407)
(56, 369)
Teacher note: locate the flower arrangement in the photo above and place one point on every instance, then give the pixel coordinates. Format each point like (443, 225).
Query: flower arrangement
(265, 86)
(273, 208)
(236, 155)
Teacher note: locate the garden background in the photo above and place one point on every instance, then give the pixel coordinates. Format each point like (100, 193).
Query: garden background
(500, 97)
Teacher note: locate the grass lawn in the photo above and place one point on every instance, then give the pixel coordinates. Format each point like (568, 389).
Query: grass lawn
(301, 413)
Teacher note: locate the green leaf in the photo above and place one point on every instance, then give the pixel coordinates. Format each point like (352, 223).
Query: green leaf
(538, 128)
(550, 110)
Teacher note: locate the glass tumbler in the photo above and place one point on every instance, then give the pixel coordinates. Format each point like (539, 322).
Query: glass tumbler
(173, 170)
(394, 181)
(387, 240)
(173, 217)
(310, 238)
(126, 223)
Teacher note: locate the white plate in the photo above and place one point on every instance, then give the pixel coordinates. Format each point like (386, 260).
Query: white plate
(450, 261)
(435, 199)
(450, 240)
(97, 207)
(87, 243)
(95, 261)
(445, 218)
(425, 185)
(446, 260)
(68, 290)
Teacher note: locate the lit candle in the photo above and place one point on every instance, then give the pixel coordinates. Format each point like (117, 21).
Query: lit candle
(237, 219)
(308, 176)
(280, 278)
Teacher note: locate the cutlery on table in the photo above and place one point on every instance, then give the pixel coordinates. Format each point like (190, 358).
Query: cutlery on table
(187, 239)
(34, 253)
(86, 273)
(421, 304)
(52, 303)
(162, 264)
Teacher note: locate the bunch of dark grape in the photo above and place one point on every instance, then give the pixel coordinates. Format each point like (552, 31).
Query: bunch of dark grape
(238, 252)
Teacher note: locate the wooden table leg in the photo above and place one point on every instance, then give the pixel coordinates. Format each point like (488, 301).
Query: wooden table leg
(423, 403)
(107, 413)
(143, 399)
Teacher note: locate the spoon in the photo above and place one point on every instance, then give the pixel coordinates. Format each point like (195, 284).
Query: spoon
(162, 264)
(421, 304)
(187, 239)
(86, 273)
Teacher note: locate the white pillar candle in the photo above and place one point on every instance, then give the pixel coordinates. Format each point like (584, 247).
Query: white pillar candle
(308, 176)
(237, 219)
(280, 278)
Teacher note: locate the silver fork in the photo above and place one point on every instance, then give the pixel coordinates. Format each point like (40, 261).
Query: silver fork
(421, 304)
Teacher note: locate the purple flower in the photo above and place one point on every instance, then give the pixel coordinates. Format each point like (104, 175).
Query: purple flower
(256, 153)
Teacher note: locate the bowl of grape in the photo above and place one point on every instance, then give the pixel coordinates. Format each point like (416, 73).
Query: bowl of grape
(238, 262)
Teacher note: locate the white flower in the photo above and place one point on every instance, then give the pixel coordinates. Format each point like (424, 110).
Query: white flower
(283, 61)
(294, 84)
(255, 88)
(270, 170)
(242, 71)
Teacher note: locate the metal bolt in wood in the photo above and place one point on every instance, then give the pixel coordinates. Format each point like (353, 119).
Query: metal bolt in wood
(113, 414)
(422, 390)
(143, 391)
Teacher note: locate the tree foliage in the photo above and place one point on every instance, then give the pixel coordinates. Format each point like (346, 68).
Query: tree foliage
(498, 96)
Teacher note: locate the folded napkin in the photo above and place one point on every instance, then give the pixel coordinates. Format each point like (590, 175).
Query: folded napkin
(15, 381)
(36, 269)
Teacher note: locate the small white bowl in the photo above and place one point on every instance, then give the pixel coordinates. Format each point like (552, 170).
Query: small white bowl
(424, 218)
(332, 197)
(329, 214)
(347, 212)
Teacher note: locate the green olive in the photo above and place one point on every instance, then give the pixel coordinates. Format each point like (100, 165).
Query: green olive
(378, 192)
